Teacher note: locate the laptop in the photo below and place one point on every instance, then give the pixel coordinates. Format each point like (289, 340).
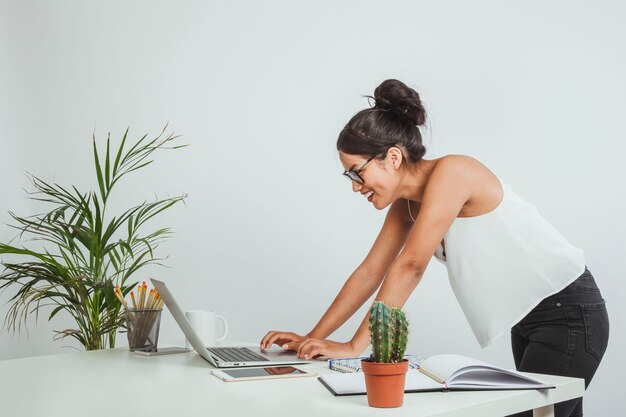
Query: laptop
(224, 357)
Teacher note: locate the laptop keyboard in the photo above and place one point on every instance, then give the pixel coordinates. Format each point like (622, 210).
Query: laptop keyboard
(236, 354)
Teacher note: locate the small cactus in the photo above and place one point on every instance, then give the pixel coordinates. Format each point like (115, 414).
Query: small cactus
(388, 333)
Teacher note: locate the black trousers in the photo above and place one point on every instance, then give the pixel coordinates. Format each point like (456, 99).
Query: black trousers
(566, 334)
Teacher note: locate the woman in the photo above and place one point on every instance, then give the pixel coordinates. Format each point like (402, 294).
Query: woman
(510, 270)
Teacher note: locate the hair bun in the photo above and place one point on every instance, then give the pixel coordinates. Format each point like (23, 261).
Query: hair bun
(395, 96)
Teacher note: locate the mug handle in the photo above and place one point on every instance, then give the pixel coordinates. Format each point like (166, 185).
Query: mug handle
(220, 317)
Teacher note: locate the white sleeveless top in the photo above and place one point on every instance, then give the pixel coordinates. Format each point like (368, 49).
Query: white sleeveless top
(501, 264)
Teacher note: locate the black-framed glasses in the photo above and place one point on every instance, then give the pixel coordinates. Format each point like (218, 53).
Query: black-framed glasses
(354, 174)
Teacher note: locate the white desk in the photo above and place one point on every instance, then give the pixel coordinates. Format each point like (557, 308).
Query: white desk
(117, 382)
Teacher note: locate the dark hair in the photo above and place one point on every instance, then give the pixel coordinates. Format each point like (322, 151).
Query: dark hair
(393, 121)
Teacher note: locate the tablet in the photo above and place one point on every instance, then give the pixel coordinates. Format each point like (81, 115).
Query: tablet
(251, 374)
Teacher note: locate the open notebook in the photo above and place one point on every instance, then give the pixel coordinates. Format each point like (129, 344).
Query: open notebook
(445, 372)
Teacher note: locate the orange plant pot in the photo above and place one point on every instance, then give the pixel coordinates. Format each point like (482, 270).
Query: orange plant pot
(384, 383)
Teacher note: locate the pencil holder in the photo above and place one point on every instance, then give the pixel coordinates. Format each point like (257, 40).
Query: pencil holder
(143, 329)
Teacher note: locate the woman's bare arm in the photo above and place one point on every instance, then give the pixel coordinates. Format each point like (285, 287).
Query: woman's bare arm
(447, 191)
(366, 279)
(361, 284)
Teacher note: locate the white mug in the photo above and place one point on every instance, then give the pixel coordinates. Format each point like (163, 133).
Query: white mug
(203, 323)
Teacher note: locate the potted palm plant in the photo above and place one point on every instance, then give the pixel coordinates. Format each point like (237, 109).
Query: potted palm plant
(385, 370)
(78, 252)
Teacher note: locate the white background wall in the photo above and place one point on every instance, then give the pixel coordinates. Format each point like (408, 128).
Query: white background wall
(535, 90)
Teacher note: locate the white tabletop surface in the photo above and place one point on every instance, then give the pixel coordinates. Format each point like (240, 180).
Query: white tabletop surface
(118, 382)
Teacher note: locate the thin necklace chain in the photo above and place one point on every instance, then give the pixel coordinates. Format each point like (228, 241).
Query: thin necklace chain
(408, 203)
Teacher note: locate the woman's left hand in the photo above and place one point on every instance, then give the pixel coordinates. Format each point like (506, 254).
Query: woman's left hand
(311, 348)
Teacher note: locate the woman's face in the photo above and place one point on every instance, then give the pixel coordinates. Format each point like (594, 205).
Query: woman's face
(380, 177)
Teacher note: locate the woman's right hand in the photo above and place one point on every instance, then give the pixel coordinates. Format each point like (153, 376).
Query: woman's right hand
(286, 340)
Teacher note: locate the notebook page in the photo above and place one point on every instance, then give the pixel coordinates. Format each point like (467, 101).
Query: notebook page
(445, 365)
(354, 383)
(489, 378)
